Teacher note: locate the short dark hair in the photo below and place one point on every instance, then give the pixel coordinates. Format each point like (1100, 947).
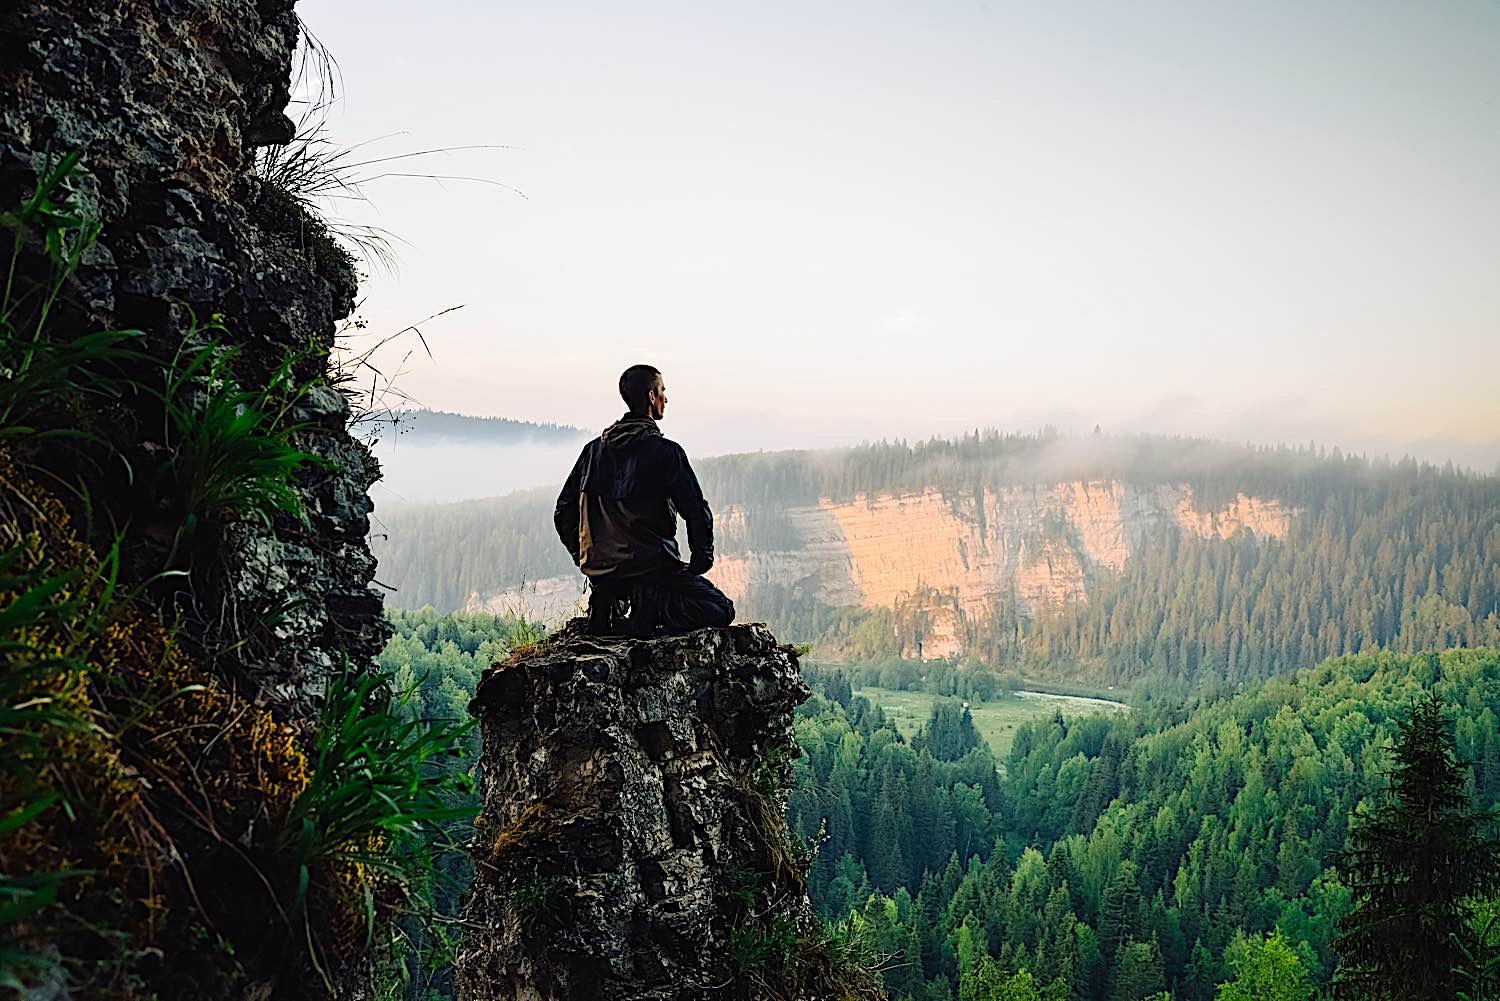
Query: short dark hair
(635, 383)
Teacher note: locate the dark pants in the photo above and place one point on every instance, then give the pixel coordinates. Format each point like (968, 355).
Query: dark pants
(666, 603)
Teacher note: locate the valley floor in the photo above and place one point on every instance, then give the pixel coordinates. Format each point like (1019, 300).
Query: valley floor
(996, 719)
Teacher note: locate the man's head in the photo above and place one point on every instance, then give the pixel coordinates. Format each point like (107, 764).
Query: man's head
(644, 392)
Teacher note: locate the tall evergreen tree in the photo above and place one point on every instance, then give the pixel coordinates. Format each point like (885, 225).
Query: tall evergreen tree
(1120, 912)
(1413, 865)
(1138, 974)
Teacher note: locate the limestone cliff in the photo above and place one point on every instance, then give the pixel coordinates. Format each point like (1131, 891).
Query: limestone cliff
(959, 556)
(632, 844)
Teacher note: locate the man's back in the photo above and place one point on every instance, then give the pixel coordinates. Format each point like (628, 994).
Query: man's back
(617, 512)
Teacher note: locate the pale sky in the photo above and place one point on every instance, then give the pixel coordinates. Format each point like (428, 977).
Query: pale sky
(833, 222)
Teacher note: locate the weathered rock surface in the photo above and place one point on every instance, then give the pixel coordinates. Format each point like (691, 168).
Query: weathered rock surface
(632, 816)
(167, 102)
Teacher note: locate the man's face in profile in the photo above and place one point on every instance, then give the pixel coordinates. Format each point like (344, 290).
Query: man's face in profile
(656, 400)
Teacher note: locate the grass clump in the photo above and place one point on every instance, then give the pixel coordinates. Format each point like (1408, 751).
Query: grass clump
(539, 899)
(44, 658)
(766, 949)
(44, 376)
(309, 176)
(835, 960)
(742, 884)
(230, 451)
(280, 212)
(379, 791)
(783, 957)
(761, 792)
(775, 943)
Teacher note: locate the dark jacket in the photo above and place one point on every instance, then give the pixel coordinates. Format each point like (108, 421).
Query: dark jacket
(617, 512)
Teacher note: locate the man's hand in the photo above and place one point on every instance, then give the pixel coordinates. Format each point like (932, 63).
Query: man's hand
(698, 565)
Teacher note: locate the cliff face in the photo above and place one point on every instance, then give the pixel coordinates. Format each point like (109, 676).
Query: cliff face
(166, 104)
(632, 844)
(156, 807)
(1040, 541)
(1030, 548)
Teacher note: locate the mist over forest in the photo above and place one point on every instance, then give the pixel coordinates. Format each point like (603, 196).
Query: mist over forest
(433, 456)
(429, 457)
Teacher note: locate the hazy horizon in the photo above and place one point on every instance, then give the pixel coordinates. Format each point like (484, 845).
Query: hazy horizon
(830, 224)
(443, 467)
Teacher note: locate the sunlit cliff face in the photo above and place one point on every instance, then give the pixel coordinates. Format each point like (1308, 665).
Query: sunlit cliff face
(1037, 547)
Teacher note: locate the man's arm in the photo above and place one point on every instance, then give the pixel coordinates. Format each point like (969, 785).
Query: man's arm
(565, 512)
(687, 496)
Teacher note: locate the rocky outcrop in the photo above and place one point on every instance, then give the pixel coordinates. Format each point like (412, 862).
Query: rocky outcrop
(237, 575)
(632, 844)
(166, 103)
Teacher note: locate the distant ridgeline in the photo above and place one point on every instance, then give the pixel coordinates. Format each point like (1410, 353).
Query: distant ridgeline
(1099, 557)
(490, 430)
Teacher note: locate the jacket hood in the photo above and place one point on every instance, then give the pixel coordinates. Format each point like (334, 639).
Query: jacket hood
(629, 430)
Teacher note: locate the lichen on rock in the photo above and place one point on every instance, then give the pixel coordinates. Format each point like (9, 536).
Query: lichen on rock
(631, 839)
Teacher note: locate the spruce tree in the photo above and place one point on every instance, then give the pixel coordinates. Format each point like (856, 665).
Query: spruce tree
(1138, 972)
(1413, 865)
(1120, 911)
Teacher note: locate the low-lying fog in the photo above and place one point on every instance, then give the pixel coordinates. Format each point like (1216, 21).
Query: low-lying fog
(425, 470)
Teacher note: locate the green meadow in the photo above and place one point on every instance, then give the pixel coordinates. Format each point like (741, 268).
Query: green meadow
(996, 720)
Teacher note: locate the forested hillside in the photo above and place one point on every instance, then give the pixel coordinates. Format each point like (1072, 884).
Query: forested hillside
(1117, 557)
(1405, 558)
(1117, 857)
(1103, 858)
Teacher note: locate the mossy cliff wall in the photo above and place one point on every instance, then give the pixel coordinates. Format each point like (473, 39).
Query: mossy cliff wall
(632, 843)
(169, 684)
(166, 101)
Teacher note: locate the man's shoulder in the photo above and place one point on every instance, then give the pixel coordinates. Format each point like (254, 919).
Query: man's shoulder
(669, 447)
(587, 456)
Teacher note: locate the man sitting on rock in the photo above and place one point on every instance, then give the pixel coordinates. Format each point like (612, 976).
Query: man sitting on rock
(617, 514)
